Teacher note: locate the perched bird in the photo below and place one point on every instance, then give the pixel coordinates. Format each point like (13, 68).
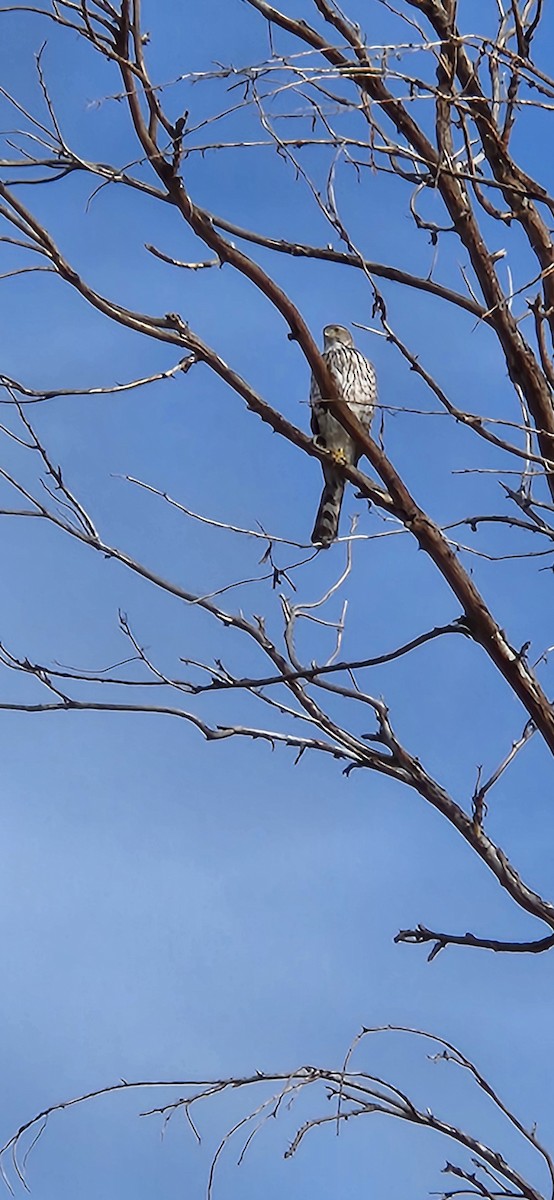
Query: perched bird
(357, 385)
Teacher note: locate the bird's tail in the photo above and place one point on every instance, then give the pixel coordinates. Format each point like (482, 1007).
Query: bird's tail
(327, 521)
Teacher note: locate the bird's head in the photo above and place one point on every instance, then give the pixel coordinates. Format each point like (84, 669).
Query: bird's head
(336, 333)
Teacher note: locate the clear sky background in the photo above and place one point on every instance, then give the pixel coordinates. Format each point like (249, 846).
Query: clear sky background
(176, 909)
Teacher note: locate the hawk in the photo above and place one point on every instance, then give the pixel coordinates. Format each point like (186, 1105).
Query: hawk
(357, 385)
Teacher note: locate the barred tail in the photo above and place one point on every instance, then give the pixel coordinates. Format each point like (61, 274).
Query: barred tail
(327, 521)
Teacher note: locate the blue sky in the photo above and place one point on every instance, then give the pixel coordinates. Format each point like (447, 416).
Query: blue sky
(172, 909)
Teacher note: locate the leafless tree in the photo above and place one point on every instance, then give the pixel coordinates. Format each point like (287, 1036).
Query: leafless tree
(436, 112)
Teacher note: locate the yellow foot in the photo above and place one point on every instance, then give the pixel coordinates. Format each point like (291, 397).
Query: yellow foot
(339, 457)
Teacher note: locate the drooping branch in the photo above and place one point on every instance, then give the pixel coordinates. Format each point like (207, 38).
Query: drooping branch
(352, 1093)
